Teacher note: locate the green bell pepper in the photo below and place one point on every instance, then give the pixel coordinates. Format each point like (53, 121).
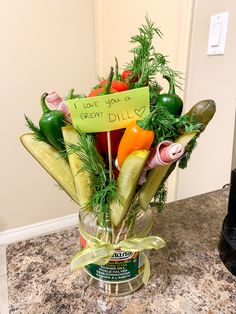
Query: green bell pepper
(51, 123)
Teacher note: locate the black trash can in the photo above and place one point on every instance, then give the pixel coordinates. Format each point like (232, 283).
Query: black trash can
(227, 243)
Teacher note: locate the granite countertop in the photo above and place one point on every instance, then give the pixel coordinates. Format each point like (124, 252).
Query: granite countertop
(186, 277)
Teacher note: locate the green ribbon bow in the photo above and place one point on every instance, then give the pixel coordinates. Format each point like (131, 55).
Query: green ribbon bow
(100, 252)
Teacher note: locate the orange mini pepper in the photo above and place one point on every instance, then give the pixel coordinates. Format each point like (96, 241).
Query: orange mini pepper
(134, 138)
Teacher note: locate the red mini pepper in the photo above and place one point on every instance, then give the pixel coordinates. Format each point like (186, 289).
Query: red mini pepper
(119, 86)
(99, 91)
(125, 74)
(117, 82)
(106, 89)
(128, 77)
(115, 135)
(101, 142)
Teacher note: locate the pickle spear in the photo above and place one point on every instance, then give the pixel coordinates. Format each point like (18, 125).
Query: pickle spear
(81, 178)
(50, 159)
(127, 181)
(158, 175)
(203, 111)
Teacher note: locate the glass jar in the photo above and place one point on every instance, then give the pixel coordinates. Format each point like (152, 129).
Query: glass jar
(123, 273)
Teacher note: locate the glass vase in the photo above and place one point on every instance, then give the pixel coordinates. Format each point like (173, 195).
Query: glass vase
(123, 273)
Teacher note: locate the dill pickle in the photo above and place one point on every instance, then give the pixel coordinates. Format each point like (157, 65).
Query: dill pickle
(127, 182)
(204, 111)
(50, 159)
(81, 179)
(156, 175)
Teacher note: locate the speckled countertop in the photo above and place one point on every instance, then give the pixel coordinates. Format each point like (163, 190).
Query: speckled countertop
(186, 277)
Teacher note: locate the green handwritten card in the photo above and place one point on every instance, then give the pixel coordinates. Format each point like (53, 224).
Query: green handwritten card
(109, 112)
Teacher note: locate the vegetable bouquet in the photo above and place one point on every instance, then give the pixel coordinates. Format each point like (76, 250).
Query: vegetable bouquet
(114, 173)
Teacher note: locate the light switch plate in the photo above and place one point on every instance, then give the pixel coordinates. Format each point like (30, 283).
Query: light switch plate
(217, 34)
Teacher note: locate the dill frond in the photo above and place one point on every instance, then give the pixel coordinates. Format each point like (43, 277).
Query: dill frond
(36, 130)
(162, 122)
(166, 126)
(175, 76)
(163, 125)
(183, 163)
(160, 198)
(154, 92)
(104, 189)
(187, 124)
(146, 62)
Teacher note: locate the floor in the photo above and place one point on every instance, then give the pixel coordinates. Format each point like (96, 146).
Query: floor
(3, 281)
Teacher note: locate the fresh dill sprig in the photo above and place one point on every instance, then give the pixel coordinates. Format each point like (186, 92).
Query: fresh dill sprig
(147, 63)
(162, 122)
(187, 124)
(175, 76)
(154, 92)
(163, 125)
(36, 130)
(104, 189)
(166, 126)
(160, 198)
(183, 163)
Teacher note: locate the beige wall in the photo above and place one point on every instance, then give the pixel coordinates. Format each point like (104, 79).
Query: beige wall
(44, 45)
(211, 77)
(51, 44)
(116, 21)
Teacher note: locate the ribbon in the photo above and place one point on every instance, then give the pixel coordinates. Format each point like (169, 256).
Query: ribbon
(100, 252)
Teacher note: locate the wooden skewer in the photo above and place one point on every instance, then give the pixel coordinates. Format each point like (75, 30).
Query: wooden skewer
(108, 286)
(109, 154)
(117, 289)
(120, 232)
(130, 286)
(91, 280)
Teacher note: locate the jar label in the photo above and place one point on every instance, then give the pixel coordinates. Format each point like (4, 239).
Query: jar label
(122, 266)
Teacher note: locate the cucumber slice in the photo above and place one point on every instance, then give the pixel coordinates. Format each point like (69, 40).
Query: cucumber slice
(156, 175)
(127, 181)
(81, 178)
(49, 158)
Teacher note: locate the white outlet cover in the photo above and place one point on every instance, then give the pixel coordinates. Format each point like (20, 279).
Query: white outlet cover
(217, 34)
